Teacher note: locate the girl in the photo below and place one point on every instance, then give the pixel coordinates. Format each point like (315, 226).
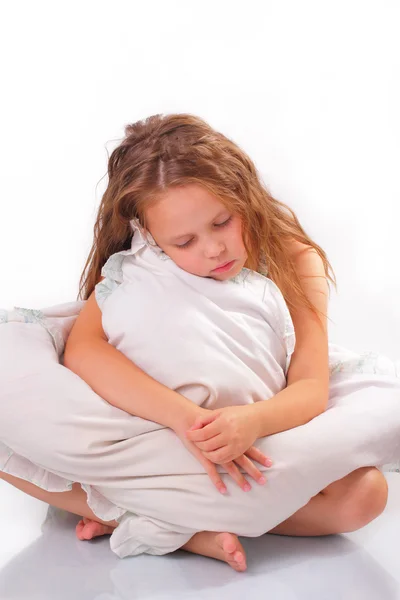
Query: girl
(210, 320)
(197, 207)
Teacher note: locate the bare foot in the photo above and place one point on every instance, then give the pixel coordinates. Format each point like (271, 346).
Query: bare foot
(222, 546)
(88, 529)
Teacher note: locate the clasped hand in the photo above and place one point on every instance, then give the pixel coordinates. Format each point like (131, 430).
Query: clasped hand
(226, 436)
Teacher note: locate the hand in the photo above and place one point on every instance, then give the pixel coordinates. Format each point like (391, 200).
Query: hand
(225, 434)
(232, 469)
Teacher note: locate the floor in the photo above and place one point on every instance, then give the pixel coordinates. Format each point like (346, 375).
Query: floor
(40, 559)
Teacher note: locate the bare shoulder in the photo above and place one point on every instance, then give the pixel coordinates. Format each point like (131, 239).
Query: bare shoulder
(306, 259)
(297, 249)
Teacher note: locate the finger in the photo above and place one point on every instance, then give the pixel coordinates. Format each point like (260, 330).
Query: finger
(240, 479)
(256, 454)
(250, 468)
(221, 456)
(215, 477)
(210, 469)
(208, 431)
(213, 444)
(203, 421)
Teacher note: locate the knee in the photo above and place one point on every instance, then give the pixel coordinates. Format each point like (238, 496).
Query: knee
(365, 501)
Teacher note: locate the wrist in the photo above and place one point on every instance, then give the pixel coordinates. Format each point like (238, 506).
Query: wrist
(184, 415)
(255, 417)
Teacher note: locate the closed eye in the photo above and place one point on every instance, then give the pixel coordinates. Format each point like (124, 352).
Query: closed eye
(186, 244)
(219, 225)
(224, 223)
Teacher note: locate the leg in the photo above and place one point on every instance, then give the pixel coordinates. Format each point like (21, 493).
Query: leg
(73, 502)
(344, 506)
(223, 546)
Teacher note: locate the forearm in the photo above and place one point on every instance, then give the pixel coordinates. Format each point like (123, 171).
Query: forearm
(124, 385)
(293, 406)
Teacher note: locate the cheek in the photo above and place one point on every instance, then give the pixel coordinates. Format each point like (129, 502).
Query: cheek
(184, 259)
(237, 235)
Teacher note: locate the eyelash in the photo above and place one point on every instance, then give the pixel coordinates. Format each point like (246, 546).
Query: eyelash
(228, 220)
(224, 224)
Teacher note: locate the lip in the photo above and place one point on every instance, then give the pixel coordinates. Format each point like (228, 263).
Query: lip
(224, 267)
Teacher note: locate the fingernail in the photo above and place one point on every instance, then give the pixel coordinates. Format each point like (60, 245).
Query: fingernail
(262, 480)
(247, 487)
(268, 462)
(222, 489)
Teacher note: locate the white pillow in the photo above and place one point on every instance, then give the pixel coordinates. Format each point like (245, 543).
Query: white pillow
(55, 430)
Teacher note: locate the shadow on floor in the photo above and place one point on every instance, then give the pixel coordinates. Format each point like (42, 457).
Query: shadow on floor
(57, 566)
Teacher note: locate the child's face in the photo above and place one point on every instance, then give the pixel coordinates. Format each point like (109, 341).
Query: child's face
(198, 232)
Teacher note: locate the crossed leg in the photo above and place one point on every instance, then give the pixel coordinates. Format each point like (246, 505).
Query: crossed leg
(345, 505)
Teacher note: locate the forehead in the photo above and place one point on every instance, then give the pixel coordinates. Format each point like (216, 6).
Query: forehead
(183, 208)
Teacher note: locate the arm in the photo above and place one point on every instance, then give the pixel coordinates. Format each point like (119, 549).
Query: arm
(307, 391)
(117, 379)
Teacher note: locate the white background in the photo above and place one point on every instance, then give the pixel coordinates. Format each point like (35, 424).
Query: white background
(310, 89)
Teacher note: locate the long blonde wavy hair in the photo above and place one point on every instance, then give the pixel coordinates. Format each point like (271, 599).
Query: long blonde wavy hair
(164, 151)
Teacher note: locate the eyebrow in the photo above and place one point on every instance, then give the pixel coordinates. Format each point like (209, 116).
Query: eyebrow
(183, 235)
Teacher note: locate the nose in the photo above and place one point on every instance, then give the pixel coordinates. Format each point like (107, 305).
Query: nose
(213, 248)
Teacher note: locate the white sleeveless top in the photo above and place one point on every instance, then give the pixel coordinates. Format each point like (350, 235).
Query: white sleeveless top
(219, 343)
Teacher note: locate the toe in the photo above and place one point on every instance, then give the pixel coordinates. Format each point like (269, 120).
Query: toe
(79, 530)
(233, 551)
(228, 542)
(229, 545)
(239, 561)
(239, 557)
(91, 530)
